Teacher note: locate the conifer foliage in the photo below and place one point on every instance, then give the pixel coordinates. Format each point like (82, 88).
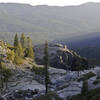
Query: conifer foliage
(84, 88)
(47, 80)
(23, 48)
(10, 55)
(29, 42)
(16, 40)
(19, 50)
(30, 52)
(23, 40)
(5, 73)
(18, 60)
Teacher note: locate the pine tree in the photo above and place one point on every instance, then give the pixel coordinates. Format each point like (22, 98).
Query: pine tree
(23, 40)
(47, 80)
(29, 42)
(84, 88)
(20, 50)
(6, 74)
(30, 52)
(18, 60)
(1, 71)
(16, 40)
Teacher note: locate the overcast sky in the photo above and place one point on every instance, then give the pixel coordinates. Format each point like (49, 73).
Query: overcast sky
(51, 2)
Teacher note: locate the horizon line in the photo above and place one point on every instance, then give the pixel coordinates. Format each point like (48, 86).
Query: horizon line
(46, 4)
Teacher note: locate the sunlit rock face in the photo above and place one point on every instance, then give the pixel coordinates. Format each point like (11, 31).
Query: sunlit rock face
(60, 57)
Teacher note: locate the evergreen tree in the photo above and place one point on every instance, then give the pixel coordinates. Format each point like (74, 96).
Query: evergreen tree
(19, 50)
(84, 88)
(23, 40)
(16, 40)
(47, 80)
(1, 72)
(18, 60)
(29, 42)
(30, 52)
(6, 73)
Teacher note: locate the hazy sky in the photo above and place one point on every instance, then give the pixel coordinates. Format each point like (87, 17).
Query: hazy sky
(51, 2)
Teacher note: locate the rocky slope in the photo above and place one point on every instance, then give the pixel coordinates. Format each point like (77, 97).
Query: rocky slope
(26, 84)
(60, 57)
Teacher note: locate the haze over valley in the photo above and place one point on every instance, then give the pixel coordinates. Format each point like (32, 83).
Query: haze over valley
(51, 22)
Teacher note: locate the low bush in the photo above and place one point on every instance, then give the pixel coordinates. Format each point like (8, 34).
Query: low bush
(78, 97)
(10, 47)
(96, 82)
(90, 95)
(18, 60)
(38, 70)
(10, 55)
(87, 76)
(96, 97)
(98, 77)
(49, 96)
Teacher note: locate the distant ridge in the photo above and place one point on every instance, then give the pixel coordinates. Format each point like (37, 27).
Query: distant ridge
(48, 22)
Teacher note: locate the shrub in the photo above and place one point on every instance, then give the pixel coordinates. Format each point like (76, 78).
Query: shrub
(96, 97)
(10, 47)
(96, 82)
(90, 95)
(87, 76)
(37, 70)
(18, 60)
(5, 74)
(78, 97)
(98, 77)
(10, 55)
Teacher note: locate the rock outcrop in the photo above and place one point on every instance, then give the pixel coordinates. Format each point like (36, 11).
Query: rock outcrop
(60, 57)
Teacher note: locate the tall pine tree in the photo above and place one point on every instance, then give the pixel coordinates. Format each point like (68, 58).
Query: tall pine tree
(23, 40)
(30, 53)
(1, 72)
(16, 40)
(29, 42)
(84, 89)
(20, 50)
(47, 79)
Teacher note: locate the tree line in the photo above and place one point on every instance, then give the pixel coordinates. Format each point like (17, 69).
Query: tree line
(22, 48)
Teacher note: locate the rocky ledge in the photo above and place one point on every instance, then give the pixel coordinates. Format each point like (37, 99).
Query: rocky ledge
(60, 57)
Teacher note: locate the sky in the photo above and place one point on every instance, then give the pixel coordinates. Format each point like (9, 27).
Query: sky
(50, 2)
